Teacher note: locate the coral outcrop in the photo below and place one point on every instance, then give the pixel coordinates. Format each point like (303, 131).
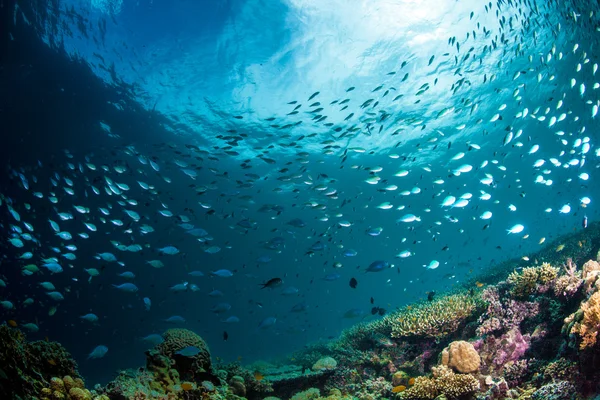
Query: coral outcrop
(461, 356)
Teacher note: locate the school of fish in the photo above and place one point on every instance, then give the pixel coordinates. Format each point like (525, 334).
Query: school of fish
(496, 140)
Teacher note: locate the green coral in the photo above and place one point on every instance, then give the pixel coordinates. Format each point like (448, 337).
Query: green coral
(434, 319)
(526, 282)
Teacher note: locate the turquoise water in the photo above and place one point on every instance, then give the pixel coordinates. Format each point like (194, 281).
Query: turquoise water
(306, 140)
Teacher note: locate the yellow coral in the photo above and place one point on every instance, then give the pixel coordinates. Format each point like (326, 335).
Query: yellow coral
(547, 273)
(309, 394)
(444, 382)
(424, 389)
(587, 327)
(79, 394)
(524, 283)
(437, 318)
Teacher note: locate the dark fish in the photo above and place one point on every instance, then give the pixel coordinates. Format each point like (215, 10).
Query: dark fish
(272, 283)
(312, 96)
(372, 300)
(225, 335)
(430, 295)
(297, 223)
(353, 283)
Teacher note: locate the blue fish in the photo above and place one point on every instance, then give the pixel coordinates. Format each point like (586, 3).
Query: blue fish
(169, 250)
(154, 339)
(378, 266)
(332, 277)
(180, 287)
(147, 303)
(90, 317)
(108, 257)
(64, 235)
(263, 259)
(354, 313)
(98, 352)
(18, 243)
(223, 273)
(300, 307)
(127, 287)
(267, 323)
(175, 319)
(197, 232)
(350, 253)
(189, 351)
(53, 267)
(55, 296)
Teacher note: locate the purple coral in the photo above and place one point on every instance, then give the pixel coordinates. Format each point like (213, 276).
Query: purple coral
(503, 313)
(497, 352)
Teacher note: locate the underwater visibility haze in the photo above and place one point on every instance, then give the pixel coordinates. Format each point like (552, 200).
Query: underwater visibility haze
(328, 193)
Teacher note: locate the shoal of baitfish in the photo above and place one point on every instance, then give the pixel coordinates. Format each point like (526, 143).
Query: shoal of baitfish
(489, 80)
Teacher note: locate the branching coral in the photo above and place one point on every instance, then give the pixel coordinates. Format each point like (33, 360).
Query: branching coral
(434, 319)
(568, 284)
(503, 314)
(530, 279)
(445, 382)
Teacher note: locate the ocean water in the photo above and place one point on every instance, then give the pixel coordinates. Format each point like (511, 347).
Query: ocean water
(307, 139)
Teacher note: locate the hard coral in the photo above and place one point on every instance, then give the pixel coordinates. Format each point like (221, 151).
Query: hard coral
(503, 313)
(177, 339)
(586, 321)
(560, 390)
(325, 363)
(444, 382)
(461, 356)
(531, 279)
(434, 319)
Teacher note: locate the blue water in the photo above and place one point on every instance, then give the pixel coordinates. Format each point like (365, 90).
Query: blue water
(215, 85)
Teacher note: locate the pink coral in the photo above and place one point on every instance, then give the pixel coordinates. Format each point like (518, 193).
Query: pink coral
(503, 313)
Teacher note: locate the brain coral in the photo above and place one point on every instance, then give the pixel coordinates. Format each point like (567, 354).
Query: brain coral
(324, 363)
(177, 339)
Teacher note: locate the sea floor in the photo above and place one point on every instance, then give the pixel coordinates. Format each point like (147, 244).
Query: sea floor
(527, 329)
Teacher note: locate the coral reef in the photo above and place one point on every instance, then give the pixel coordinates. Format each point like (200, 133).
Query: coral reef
(531, 337)
(434, 319)
(29, 367)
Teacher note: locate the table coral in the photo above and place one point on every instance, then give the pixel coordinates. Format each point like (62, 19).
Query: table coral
(434, 319)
